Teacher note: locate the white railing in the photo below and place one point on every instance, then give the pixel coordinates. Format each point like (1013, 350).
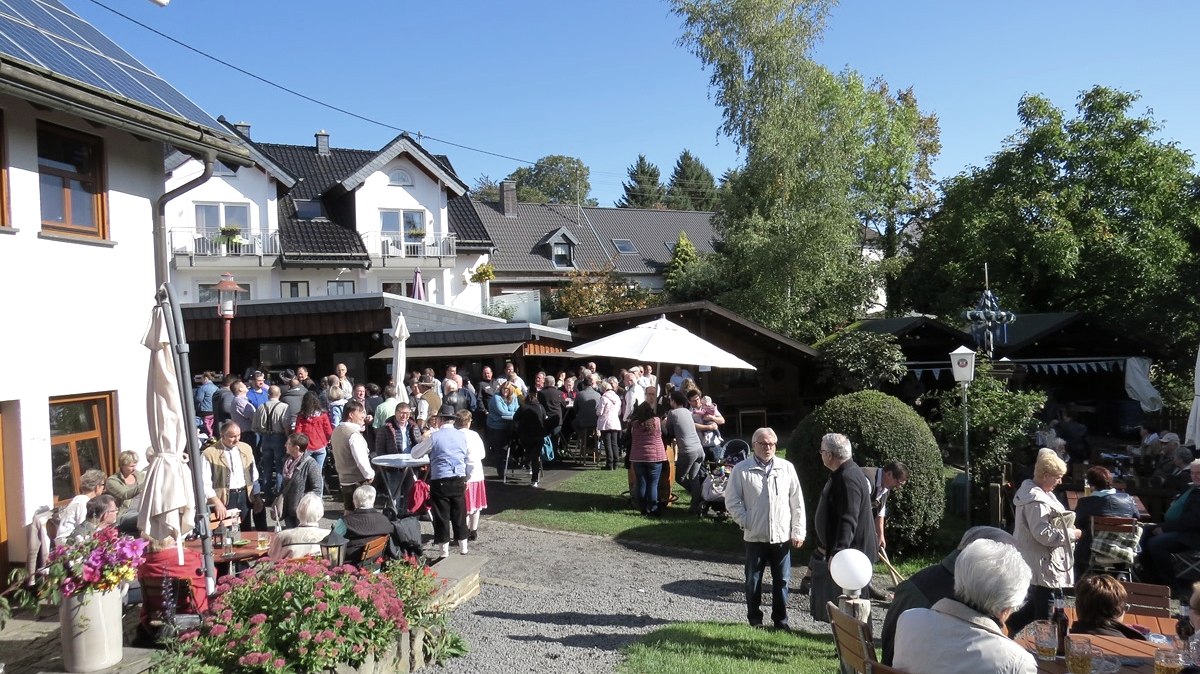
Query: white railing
(203, 242)
(390, 245)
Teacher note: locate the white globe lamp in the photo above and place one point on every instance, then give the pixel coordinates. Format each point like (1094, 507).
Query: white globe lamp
(851, 570)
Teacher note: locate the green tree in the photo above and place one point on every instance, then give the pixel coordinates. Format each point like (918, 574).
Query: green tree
(598, 291)
(643, 189)
(855, 360)
(683, 256)
(1091, 213)
(691, 187)
(790, 219)
(554, 179)
(485, 189)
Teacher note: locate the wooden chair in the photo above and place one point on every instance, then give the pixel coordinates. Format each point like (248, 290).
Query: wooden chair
(1151, 600)
(1122, 530)
(373, 551)
(231, 517)
(880, 668)
(854, 646)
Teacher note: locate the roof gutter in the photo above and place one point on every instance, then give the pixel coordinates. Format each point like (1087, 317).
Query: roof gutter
(161, 268)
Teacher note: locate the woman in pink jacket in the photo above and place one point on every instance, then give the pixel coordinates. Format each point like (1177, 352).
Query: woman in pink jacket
(608, 422)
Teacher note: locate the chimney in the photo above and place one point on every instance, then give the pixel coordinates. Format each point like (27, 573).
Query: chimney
(508, 198)
(243, 128)
(322, 142)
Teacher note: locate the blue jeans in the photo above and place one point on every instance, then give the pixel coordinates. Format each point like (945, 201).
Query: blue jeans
(270, 465)
(758, 557)
(319, 456)
(646, 488)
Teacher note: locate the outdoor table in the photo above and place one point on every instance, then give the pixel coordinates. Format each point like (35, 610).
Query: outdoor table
(398, 473)
(1074, 496)
(242, 554)
(1137, 657)
(1157, 624)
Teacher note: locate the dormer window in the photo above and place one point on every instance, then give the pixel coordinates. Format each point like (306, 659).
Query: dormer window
(400, 178)
(561, 255)
(307, 209)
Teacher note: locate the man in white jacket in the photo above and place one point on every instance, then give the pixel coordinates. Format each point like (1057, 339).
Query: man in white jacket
(763, 497)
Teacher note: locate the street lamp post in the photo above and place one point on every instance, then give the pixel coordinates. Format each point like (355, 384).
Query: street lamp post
(962, 363)
(227, 297)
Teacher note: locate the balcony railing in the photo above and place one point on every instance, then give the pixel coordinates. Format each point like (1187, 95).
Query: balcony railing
(390, 245)
(206, 243)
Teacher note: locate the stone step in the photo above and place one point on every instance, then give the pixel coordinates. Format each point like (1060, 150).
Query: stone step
(462, 576)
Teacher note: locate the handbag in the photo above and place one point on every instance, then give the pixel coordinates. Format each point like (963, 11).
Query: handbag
(547, 449)
(418, 498)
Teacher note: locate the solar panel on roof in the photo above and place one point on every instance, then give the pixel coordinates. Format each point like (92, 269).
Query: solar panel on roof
(47, 34)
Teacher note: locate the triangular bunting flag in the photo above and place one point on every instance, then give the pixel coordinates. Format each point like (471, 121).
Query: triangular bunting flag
(1106, 366)
(1120, 365)
(937, 373)
(918, 374)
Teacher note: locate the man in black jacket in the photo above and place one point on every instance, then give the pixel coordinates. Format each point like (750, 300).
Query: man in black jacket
(843, 519)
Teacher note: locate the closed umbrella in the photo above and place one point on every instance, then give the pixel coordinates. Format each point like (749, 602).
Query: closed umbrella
(418, 289)
(168, 505)
(661, 341)
(1193, 424)
(399, 338)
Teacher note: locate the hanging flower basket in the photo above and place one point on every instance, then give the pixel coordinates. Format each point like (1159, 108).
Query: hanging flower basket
(484, 272)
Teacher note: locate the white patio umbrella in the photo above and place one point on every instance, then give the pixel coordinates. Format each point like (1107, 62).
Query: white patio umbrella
(1193, 424)
(399, 338)
(168, 501)
(661, 341)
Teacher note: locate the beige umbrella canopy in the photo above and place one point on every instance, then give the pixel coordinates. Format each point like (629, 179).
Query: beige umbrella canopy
(168, 502)
(661, 341)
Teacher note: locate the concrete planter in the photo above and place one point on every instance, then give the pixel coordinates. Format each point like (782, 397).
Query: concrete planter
(91, 631)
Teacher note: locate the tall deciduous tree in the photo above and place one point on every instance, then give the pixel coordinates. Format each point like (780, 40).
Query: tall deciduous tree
(1092, 213)
(791, 216)
(554, 178)
(643, 189)
(691, 187)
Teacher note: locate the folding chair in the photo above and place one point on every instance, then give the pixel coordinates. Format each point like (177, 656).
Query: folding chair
(1146, 599)
(854, 646)
(372, 552)
(1114, 546)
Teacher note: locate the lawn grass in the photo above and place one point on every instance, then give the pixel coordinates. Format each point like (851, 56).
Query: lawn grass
(592, 503)
(722, 648)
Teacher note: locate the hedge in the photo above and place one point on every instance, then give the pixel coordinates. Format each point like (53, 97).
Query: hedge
(881, 428)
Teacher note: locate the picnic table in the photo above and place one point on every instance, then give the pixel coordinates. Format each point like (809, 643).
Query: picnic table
(1074, 496)
(245, 552)
(1137, 657)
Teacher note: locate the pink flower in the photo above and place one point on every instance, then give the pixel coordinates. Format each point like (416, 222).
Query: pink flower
(258, 618)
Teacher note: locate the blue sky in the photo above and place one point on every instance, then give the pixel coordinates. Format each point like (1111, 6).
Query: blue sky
(605, 81)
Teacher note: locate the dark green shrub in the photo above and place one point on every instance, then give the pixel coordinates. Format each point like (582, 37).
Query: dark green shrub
(881, 428)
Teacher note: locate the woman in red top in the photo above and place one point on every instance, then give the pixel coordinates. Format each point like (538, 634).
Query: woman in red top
(314, 423)
(647, 453)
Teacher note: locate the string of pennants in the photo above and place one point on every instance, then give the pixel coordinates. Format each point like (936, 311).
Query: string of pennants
(1083, 367)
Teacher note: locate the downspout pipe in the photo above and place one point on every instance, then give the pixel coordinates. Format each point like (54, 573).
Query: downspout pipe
(161, 261)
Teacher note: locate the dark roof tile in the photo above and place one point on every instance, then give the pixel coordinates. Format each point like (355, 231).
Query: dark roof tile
(320, 243)
(465, 223)
(316, 173)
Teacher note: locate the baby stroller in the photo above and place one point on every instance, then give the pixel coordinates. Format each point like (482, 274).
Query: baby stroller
(712, 490)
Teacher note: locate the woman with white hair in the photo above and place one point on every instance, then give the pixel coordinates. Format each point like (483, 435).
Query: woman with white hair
(305, 539)
(965, 634)
(1043, 539)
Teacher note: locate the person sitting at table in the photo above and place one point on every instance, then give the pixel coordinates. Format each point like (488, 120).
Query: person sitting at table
(1164, 457)
(126, 486)
(1174, 475)
(91, 485)
(1100, 608)
(363, 525)
(1179, 532)
(162, 561)
(965, 634)
(1105, 501)
(305, 539)
(301, 476)
(931, 585)
(101, 513)
(1149, 441)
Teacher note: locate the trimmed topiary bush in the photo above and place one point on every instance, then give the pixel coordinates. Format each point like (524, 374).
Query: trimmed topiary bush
(881, 428)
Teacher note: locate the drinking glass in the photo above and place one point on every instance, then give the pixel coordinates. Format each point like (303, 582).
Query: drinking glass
(1045, 639)
(264, 541)
(1079, 655)
(1168, 661)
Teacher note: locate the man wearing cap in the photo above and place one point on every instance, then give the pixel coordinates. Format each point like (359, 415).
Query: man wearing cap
(350, 452)
(447, 450)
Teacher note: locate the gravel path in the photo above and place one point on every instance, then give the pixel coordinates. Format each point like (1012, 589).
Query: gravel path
(560, 602)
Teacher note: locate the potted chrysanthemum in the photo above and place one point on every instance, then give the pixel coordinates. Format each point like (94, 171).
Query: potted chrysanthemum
(85, 576)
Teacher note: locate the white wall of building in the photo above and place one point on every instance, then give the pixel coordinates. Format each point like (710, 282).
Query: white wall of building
(76, 311)
(425, 194)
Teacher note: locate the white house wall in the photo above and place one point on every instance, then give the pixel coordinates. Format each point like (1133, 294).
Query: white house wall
(76, 311)
(424, 194)
(464, 294)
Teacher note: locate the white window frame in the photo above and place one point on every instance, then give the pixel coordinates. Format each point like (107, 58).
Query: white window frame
(400, 178)
(341, 284)
(212, 301)
(283, 286)
(568, 251)
(222, 215)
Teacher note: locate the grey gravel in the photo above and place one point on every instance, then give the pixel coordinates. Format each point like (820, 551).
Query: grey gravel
(562, 602)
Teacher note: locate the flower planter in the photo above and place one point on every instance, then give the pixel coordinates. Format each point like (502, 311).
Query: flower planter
(390, 661)
(91, 631)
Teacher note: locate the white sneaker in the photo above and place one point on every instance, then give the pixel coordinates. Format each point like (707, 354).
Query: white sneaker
(533, 484)
(462, 547)
(444, 551)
